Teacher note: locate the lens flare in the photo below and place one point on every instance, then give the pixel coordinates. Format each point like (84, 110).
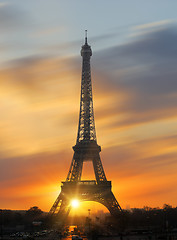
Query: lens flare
(74, 203)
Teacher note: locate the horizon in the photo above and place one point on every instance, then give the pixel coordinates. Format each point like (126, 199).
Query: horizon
(74, 212)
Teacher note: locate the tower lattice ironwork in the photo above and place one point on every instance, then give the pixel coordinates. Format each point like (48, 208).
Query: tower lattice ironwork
(86, 149)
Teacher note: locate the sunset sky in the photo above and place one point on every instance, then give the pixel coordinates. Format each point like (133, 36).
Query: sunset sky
(134, 75)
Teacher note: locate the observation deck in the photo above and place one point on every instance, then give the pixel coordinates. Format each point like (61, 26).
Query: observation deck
(86, 187)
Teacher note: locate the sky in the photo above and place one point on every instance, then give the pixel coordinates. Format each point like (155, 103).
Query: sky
(134, 76)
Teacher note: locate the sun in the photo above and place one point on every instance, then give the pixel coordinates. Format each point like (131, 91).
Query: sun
(74, 203)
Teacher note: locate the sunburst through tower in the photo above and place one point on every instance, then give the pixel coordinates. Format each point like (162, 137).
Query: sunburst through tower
(86, 149)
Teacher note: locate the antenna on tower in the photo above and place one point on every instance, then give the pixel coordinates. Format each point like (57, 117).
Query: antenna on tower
(85, 36)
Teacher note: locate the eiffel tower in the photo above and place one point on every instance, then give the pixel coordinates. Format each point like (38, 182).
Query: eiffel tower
(86, 149)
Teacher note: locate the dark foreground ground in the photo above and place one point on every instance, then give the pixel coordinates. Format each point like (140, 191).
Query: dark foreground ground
(149, 236)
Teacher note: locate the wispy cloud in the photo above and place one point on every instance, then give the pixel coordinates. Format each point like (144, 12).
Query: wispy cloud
(12, 17)
(135, 95)
(154, 24)
(144, 71)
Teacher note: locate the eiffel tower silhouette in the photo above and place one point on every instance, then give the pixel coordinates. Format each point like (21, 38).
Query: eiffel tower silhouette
(86, 149)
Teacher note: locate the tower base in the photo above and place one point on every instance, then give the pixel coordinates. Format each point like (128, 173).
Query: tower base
(85, 191)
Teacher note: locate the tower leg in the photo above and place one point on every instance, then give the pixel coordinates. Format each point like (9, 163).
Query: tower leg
(75, 169)
(60, 208)
(110, 202)
(98, 169)
(56, 206)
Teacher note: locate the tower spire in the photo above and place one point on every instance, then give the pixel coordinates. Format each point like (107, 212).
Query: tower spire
(85, 36)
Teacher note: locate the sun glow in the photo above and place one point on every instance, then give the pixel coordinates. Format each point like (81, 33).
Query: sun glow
(74, 203)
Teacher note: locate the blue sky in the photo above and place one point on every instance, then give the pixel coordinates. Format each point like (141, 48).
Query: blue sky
(31, 26)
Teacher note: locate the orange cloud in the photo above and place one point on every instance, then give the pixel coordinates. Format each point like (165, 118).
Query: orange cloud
(143, 173)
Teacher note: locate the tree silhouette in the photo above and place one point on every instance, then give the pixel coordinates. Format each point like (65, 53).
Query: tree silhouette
(34, 212)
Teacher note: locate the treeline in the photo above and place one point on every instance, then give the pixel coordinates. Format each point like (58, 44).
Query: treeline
(27, 219)
(165, 218)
